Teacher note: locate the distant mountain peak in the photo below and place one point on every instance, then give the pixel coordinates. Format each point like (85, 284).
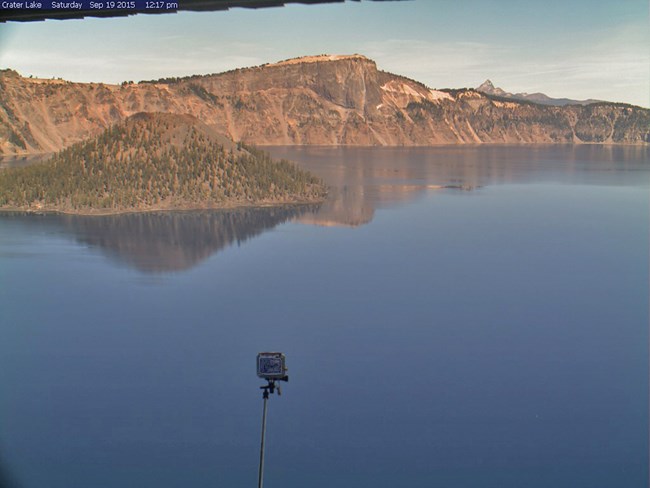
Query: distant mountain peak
(488, 88)
(485, 86)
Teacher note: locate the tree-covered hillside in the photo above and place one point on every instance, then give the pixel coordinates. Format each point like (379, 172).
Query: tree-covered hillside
(156, 161)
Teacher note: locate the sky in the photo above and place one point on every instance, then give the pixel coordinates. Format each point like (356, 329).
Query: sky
(565, 48)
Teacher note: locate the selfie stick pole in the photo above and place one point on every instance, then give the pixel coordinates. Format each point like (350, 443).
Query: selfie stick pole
(265, 396)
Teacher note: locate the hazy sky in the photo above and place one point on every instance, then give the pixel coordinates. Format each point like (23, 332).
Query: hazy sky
(565, 48)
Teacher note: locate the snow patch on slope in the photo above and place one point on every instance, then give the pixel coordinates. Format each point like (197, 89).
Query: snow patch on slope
(439, 95)
(401, 88)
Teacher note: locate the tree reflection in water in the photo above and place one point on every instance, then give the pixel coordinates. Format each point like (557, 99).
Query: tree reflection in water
(175, 241)
(159, 242)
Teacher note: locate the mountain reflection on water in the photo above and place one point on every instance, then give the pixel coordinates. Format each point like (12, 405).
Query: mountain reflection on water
(363, 179)
(161, 242)
(167, 241)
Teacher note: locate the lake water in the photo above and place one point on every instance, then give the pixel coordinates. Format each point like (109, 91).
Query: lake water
(461, 317)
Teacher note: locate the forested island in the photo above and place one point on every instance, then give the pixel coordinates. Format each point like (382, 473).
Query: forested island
(156, 161)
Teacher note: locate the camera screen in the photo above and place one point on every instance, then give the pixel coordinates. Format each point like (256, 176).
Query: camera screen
(270, 365)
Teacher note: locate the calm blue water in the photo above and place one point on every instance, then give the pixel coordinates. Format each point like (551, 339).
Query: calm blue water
(489, 334)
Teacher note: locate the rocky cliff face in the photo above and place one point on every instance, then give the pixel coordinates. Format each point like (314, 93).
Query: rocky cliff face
(314, 100)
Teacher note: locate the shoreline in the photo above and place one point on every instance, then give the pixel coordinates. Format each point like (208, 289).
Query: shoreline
(113, 212)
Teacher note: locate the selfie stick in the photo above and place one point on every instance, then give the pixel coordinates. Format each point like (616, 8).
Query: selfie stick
(265, 396)
(269, 388)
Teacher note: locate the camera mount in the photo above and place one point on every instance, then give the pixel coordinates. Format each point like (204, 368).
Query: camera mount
(270, 387)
